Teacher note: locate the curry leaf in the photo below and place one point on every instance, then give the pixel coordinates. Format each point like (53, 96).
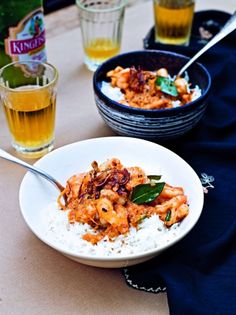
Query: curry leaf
(145, 193)
(154, 177)
(168, 215)
(167, 86)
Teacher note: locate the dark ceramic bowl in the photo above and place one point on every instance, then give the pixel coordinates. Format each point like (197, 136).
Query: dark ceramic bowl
(155, 124)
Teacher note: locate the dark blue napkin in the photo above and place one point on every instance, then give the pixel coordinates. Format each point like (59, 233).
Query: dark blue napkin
(199, 272)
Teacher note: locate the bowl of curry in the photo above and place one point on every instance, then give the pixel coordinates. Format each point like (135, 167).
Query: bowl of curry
(138, 94)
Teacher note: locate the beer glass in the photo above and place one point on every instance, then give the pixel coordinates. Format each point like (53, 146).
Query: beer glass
(28, 96)
(101, 24)
(173, 21)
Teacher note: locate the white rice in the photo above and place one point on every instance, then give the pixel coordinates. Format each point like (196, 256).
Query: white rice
(114, 93)
(150, 235)
(197, 92)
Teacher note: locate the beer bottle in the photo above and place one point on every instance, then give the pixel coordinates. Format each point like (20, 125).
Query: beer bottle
(22, 32)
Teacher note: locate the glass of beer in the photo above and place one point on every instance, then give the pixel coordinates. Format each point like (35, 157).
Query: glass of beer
(28, 96)
(101, 24)
(173, 21)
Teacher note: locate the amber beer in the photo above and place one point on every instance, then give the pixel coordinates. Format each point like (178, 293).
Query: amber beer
(30, 113)
(173, 21)
(100, 49)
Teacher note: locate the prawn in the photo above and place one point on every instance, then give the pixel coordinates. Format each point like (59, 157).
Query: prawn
(119, 77)
(173, 210)
(114, 215)
(137, 177)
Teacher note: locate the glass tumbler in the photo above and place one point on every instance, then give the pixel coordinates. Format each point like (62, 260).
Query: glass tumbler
(28, 96)
(173, 21)
(101, 24)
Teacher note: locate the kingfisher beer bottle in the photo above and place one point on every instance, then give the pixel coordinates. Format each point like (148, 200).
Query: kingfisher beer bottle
(22, 32)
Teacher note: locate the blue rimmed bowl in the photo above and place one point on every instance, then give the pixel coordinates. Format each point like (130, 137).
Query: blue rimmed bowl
(154, 124)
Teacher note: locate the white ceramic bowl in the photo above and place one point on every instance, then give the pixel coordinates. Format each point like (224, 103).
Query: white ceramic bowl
(36, 193)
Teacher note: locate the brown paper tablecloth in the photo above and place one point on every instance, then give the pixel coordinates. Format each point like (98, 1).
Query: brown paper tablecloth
(35, 279)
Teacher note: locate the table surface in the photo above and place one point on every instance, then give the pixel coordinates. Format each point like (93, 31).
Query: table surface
(35, 279)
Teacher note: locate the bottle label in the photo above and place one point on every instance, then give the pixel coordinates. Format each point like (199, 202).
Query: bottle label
(26, 41)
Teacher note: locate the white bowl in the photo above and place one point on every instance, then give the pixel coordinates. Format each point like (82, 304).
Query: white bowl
(36, 194)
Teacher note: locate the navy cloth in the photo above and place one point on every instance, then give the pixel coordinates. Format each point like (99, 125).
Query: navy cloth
(53, 5)
(199, 272)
